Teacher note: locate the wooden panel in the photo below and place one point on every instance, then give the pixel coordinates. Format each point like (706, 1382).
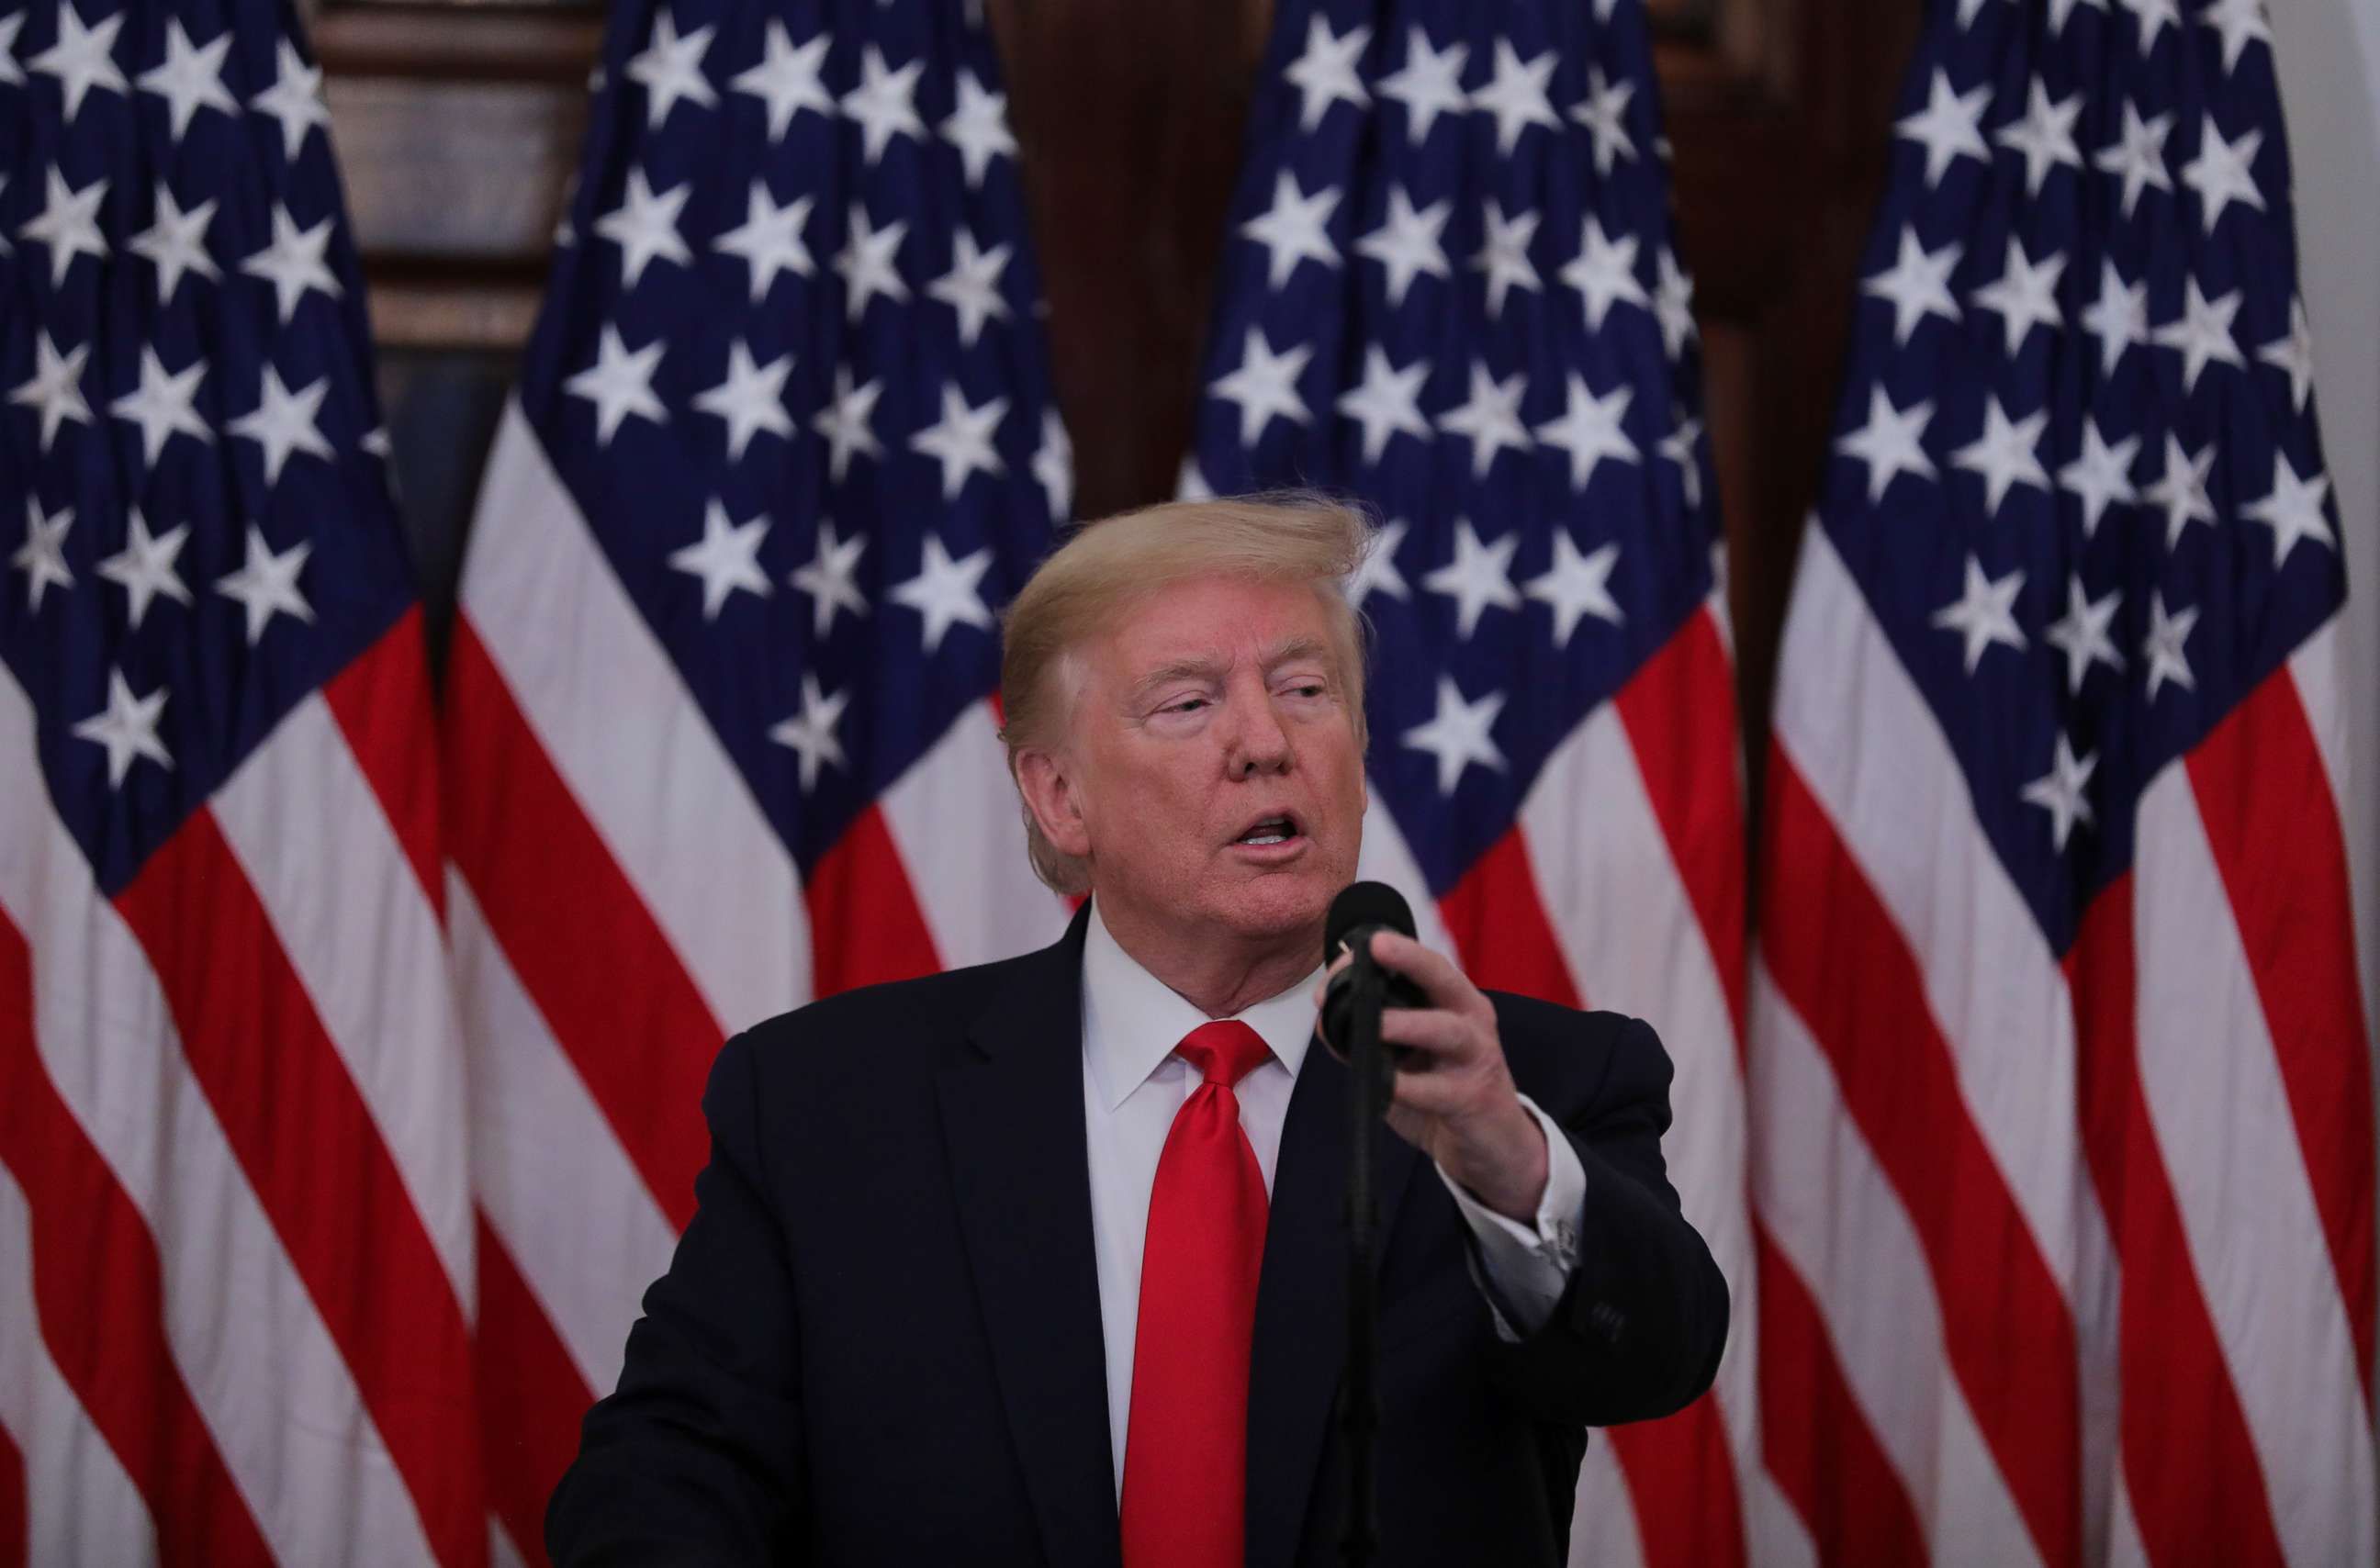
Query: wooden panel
(465, 172)
(1128, 118)
(411, 311)
(545, 40)
(458, 127)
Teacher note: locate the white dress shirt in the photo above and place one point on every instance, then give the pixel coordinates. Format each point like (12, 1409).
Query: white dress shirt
(1134, 1084)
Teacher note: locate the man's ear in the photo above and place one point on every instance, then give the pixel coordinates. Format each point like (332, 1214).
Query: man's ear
(1051, 795)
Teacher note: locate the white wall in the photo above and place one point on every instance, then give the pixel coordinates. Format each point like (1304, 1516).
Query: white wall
(2328, 56)
(2328, 53)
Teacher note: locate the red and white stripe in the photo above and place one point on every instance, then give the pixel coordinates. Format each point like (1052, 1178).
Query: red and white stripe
(2064, 1261)
(1622, 886)
(65, 1496)
(619, 904)
(234, 1191)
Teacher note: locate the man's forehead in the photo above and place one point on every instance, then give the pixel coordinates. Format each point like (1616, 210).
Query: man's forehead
(1213, 614)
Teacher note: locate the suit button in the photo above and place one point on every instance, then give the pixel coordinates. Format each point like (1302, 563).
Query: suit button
(1608, 1321)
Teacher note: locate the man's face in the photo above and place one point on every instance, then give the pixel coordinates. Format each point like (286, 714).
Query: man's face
(1213, 760)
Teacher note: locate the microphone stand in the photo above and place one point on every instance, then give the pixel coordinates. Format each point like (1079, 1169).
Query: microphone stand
(1360, 1410)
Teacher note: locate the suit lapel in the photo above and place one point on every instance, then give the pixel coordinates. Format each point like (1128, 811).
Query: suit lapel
(1301, 1334)
(1020, 1170)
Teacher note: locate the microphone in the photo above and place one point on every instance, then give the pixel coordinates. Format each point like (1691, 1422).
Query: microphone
(1360, 909)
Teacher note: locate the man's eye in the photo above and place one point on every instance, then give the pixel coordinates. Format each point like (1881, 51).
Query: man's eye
(1186, 705)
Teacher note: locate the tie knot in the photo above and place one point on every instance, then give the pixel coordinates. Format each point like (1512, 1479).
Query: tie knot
(1224, 1051)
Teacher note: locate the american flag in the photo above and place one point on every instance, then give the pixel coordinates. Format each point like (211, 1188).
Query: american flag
(2062, 1111)
(720, 707)
(1452, 290)
(236, 1234)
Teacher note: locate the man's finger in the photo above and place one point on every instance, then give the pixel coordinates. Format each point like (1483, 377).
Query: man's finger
(1434, 972)
(1445, 1036)
(1428, 1094)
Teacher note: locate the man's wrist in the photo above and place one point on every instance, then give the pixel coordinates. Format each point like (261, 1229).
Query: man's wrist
(1514, 1182)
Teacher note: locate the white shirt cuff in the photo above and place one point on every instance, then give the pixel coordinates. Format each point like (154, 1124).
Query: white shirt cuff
(1529, 1267)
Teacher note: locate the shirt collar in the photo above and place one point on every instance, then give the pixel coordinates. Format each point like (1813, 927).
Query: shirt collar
(1131, 1020)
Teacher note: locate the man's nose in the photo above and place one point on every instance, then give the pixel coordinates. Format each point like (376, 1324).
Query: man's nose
(1258, 742)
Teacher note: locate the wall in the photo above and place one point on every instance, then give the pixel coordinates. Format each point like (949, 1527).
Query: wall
(2328, 56)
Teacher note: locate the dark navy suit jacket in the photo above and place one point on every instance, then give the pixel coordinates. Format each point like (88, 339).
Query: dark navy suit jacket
(879, 1340)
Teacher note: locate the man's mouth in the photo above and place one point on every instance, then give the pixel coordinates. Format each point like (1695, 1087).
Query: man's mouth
(1280, 828)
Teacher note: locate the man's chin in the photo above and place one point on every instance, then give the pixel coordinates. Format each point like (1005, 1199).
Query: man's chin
(1279, 902)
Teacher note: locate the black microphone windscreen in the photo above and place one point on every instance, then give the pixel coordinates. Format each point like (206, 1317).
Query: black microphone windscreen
(1365, 904)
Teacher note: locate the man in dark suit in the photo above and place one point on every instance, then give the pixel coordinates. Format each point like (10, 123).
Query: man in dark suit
(1041, 1262)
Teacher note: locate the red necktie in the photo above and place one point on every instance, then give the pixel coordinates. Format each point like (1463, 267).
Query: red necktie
(1185, 1444)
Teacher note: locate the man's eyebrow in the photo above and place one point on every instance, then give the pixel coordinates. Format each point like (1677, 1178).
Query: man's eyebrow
(1295, 647)
(1207, 666)
(1198, 666)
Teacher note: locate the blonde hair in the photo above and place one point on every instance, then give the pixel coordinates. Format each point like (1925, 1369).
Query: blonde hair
(1079, 593)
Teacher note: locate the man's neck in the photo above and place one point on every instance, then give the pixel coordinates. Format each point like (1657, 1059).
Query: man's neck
(1221, 978)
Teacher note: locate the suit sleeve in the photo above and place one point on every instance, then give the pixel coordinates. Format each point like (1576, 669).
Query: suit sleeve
(1522, 1269)
(697, 1457)
(1638, 1330)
